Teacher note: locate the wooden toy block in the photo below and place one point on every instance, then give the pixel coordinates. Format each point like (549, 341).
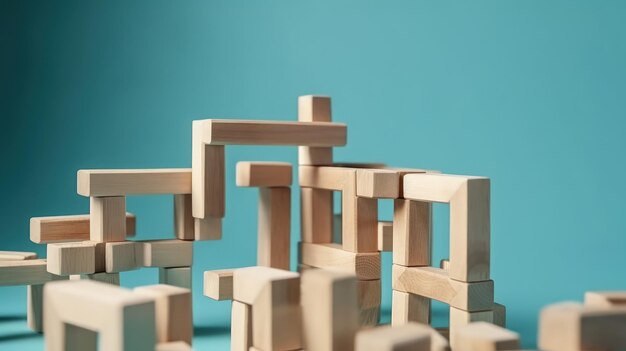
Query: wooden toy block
(469, 199)
(183, 217)
(124, 182)
(409, 337)
(404, 171)
(483, 336)
(366, 266)
(274, 295)
(209, 228)
(173, 311)
(369, 294)
(263, 174)
(107, 219)
(173, 346)
(327, 177)
(412, 233)
(606, 299)
(385, 236)
(369, 317)
(218, 284)
(240, 327)
(313, 108)
(499, 315)
(444, 264)
(25, 272)
(120, 257)
(572, 326)
(434, 283)
(45, 230)
(460, 318)
(274, 227)
(165, 253)
(17, 256)
(316, 215)
(109, 278)
(329, 310)
(257, 132)
(124, 320)
(379, 184)
(71, 258)
(208, 175)
(34, 307)
(406, 307)
(176, 276)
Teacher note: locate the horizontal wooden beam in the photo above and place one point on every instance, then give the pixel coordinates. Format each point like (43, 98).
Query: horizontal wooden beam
(54, 229)
(263, 174)
(122, 182)
(25, 272)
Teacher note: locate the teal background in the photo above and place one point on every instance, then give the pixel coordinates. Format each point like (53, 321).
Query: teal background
(529, 93)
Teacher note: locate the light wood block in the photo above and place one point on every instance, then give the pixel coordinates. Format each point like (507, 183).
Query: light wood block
(369, 317)
(404, 171)
(123, 182)
(572, 326)
(316, 216)
(123, 319)
(274, 228)
(107, 219)
(385, 236)
(165, 253)
(444, 264)
(173, 311)
(434, 283)
(173, 346)
(327, 177)
(34, 307)
(71, 258)
(406, 307)
(409, 337)
(17, 256)
(483, 336)
(263, 174)
(25, 272)
(208, 168)
(329, 310)
(369, 294)
(183, 218)
(379, 184)
(209, 228)
(460, 318)
(366, 266)
(412, 232)
(109, 278)
(606, 299)
(176, 276)
(218, 284)
(240, 327)
(120, 257)
(45, 230)
(313, 108)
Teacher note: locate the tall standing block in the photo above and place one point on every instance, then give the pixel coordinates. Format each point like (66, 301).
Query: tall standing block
(316, 215)
(164, 253)
(274, 227)
(107, 219)
(208, 175)
(312, 108)
(71, 258)
(44, 230)
(173, 311)
(412, 232)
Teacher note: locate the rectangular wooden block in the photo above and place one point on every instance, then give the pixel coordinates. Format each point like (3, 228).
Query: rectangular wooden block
(313, 108)
(483, 336)
(123, 182)
(274, 227)
(17, 255)
(412, 233)
(218, 284)
(107, 219)
(120, 257)
(316, 216)
(263, 174)
(241, 327)
(44, 230)
(165, 253)
(369, 294)
(366, 266)
(435, 283)
(208, 175)
(606, 299)
(25, 272)
(460, 318)
(173, 311)
(183, 217)
(378, 183)
(34, 307)
(71, 258)
(176, 276)
(406, 307)
(385, 236)
(394, 338)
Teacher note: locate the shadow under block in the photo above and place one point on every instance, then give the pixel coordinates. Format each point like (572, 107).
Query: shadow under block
(25, 272)
(385, 236)
(312, 108)
(469, 199)
(165, 253)
(274, 227)
(572, 326)
(366, 266)
(434, 283)
(107, 219)
(121, 256)
(406, 307)
(329, 309)
(606, 299)
(483, 336)
(208, 175)
(412, 233)
(263, 174)
(176, 276)
(125, 321)
(240, 327)
(45, 230)
(409, 337)
(17, 255)
(274, 295)
(34, 307)
(183, 217)
(173, 311)
(173, 346)
(71, 258)
(316, 216)
(218, 284)
(123, 182)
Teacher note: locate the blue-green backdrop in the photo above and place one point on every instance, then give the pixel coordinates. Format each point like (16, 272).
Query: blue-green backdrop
(529, 93)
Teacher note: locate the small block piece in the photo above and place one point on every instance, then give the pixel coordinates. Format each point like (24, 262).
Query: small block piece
(25, 272)
(377, 183)
(394, 338)
(460, 318)
(406, 307)
(176, 276)
(45, 230)
(173, 346)
(263, 174)
(173, 311)
(607, 299)
(412, 232)
(313, 108)
(165, 253)
(366, 266)
(241, 327)
(218, 284)
(208, 175)
(107, 219)
(483, 336)
(17, 255)
(183, 217)
(123, 182)
(316, 215)
(120, 257)
(72, 258)
(385, 236)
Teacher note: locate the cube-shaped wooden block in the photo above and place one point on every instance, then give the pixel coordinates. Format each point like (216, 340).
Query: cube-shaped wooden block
(71, 258)
(173, 311)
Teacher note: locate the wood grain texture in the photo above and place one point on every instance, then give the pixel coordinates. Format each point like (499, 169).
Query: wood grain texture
(412, 233)
(209, 228)
(240, 327)
(263, 174)
(378, 184)
(121, 257)
(366, 266)
(314, 108)
(316, 215)
(208, 176)
(483, 336)
(123, 182)
(394, 338)
(176, 276)
(173, 311)
(218, 284)
(406, 307)
(107, 219)
(165, 253)
(274, 228)
(71, 258)
(52, 229)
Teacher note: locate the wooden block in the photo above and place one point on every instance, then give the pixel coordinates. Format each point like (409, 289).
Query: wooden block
(123, 182)
(572, 326)
(107, 219)
(606, 299)
(218, 284)
(385, 236)
(173, 346)
(404, 171)
(241, 132)
(249, 282)
(483, 336)
(444, 264)
(366, 266)
(34, 307)
(208, 173)
(72, 258)
(45, 230)
(369, 294)
(412, 232)
(274, 228)
(327, 178)
(123, 319)
(316, 215)
(183, 217)
(435, 283)
(25, 272)
(241, 327)
(17, 255)
(120, 257)
(378, 184)
(263, 174)
(165, 253)
(409, 337)
(173, 311)
(469, 199)
(499, 315)
(369, 317)
(209, 228)
(460, 318)
(329, 309)
(109, 278)
(176, 276)
(313, 108)
(406, 307)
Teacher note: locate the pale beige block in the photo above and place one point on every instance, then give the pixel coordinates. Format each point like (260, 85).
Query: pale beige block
(71, 258)
(173, 311)
(124, 320)
(120, 257)
(176, 276)
(359, 230)
(165, 253)
(274, 227)
(369, 317)
(460, 318)
(109, 278)
(263, 174)
(314, 108)
(107, 219)
(378, 184)
(369, 293)
(366, 266)
(329, 309)
(412, 233)
(34, 307)
(183, 217)
(123, 182)
(173, 346)
(17, 255)
(607, 299)
(385, 236)
(218, 284)
(209, 228)
(444, 264)
(406, 307)
(25, 272)
(326, 177)
(483, 336)
(240, 327)
(208, 175)
(316, 216)
(409, 337)
(44, 230)
(249, 282)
